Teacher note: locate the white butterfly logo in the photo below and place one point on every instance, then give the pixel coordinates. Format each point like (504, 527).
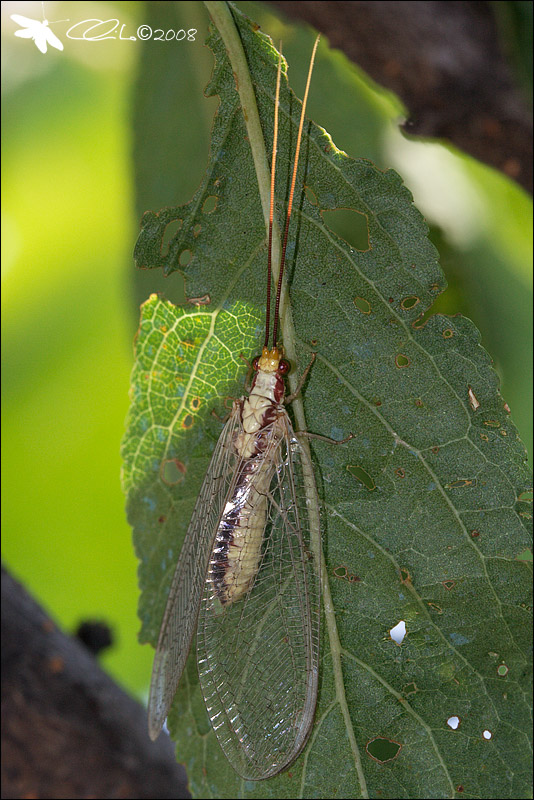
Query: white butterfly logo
(38, 31)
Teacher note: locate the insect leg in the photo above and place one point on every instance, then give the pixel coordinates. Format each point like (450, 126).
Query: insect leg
(226, 416)
(248, 384)
(325, 438)
(291, 397)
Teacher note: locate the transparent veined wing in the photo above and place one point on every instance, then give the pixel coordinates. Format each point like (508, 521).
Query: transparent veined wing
(258, 656)
(181, 612)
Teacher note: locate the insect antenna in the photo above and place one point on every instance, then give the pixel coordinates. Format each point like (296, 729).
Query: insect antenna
(291, 193)
(271, 212)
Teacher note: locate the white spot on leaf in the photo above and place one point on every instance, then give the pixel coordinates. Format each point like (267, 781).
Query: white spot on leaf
(398, 632)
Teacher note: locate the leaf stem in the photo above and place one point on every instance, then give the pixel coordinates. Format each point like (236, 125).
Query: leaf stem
(224, 22)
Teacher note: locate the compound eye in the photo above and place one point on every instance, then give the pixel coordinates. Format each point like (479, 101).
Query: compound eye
(255, 363)
(284, 366)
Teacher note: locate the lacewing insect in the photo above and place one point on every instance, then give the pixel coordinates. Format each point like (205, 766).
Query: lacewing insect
(247, 579)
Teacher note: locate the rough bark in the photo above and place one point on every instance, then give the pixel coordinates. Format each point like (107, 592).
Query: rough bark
(68, 730)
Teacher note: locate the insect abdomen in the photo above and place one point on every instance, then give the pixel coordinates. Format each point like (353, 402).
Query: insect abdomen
(237, 550)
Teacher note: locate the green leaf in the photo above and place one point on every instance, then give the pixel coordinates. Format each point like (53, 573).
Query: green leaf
(424, 518)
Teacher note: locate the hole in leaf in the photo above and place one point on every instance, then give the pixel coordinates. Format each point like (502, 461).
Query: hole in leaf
(205, 300)
(343, 574)
(507, 408)
(362, 305)
(188, 421)
(310, 195)
(492, 423)
(402, 361)
(453, 722)
(196, 230)
(502, 670)
(410, 302)
(361, 475)
(410, 688)
(350, 225)
(475, 533)
(400, 473)
(405, 576)
(172, 471)
(435, 607)
(526, 496)
(195, 403)
(461, 483)
(447, 333)
(473, 402)
(525, 555)
(185, 258)
(168, 235)
(448, 585)
(487, 735)
(340, 572)
(398, 632)
(210, 204)
(383, 750)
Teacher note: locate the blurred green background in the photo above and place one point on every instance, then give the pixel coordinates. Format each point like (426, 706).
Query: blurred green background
(74, 148)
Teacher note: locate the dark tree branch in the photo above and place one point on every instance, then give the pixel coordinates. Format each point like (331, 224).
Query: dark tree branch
(68, 730)
(444, 60)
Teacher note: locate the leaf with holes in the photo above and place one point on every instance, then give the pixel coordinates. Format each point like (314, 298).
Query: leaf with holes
(426, 514)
